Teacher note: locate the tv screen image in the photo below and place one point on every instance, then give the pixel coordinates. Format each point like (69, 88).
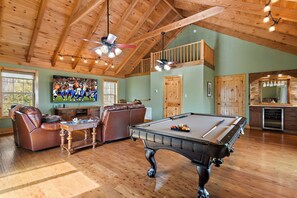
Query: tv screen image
(73, 89)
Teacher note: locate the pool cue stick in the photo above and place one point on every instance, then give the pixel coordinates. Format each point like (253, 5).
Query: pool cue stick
(213, 128)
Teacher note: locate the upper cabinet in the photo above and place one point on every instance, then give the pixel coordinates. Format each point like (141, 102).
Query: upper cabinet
(273, 88)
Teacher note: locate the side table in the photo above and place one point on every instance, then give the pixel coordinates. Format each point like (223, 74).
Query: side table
(74, 126)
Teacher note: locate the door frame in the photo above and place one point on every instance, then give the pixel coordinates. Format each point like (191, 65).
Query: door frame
(181, 91)
(243, 91)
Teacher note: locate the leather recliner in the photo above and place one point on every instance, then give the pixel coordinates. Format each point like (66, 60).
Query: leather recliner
(12, 111)
(115, 121)
(33, 134)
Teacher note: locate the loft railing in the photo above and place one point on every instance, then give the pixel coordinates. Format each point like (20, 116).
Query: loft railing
(190, 54)
(193, 53)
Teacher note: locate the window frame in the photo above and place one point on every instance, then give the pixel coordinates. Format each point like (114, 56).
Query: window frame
(113, 81)
(35, 93)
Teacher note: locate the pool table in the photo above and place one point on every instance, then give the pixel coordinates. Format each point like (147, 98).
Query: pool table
(210, 139)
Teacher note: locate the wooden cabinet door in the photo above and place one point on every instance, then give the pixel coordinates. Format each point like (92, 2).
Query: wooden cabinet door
(172, 95)
(230, 95)
(256, 117)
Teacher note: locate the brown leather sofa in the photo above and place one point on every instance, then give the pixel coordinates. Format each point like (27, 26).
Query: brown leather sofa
(32, 133)
(115, 121)
(12, 111)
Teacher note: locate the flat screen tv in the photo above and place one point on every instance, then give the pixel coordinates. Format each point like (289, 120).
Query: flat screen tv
(73, 89)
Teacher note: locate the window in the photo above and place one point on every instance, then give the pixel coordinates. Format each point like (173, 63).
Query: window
(109, 92)
(17, 87)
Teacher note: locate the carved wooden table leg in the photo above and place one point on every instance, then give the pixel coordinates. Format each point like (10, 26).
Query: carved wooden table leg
(94, 137)
(203, 173)
(86, 134)
(62, 134)
(69, 142)
(149, 154)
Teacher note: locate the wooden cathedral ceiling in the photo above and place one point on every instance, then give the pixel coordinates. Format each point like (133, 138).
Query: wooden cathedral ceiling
(35, 32)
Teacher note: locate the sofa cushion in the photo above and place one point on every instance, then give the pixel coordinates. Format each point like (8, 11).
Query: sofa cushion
(33, 113)
(51, 126)
(136, 106)
(50, 118)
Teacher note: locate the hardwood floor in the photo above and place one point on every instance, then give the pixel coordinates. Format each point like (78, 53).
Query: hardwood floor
(264, 164)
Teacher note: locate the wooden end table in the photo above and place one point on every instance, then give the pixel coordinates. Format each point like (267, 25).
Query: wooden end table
(74, 126)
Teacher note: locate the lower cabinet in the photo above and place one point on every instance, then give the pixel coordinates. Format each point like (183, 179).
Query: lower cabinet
(255, 117)
(291, 119)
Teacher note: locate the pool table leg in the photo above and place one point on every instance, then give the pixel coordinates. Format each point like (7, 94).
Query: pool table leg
(149, 154)
(203, 173)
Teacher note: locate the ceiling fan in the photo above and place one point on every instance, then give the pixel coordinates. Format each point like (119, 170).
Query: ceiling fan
(107, 45)
(163, 63)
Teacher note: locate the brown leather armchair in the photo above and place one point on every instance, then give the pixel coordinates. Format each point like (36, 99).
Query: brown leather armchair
(12, 111)
(115, 121)
(33, 134)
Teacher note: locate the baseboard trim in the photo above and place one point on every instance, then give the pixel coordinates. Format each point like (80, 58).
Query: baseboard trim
(6, 131)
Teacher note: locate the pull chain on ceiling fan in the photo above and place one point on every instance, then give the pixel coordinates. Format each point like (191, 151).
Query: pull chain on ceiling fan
(163, 64)
(108, 45)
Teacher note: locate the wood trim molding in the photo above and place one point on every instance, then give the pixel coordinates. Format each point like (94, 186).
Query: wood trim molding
(6, 131)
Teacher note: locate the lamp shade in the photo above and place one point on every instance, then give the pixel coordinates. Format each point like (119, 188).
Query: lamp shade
(117, 51)
(111, 55)
(98, 51)
(104, 49)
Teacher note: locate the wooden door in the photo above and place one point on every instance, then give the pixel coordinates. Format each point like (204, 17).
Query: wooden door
(230, 95)
(172, 95)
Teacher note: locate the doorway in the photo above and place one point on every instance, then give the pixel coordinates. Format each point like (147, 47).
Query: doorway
(230, 95)
(172, 95)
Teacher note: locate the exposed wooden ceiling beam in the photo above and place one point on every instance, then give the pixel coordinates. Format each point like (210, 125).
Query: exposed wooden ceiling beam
(241, 34)
(64, 34)
(39, 18)
(170, 4)
(181, 23)
(85, 10)
(259, 32)
(125, 15)
(139, 44)
(253, 21)
(142, 20)
(90, 33)
(285, 13)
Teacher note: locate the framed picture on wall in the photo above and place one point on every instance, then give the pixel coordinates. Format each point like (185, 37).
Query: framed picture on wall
(209, 89)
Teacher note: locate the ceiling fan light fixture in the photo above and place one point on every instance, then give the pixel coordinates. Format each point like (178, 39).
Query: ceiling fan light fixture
(167, 67)
(117, 51)
(104, 49)
(99, 52)
(158, 68)
(111, 55)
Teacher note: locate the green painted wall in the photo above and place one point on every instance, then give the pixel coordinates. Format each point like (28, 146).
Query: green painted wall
(235, 56)
(138, 87)
(232, 56)
(194, 86)
(45, 81)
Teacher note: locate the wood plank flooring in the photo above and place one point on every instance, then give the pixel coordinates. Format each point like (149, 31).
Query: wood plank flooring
(264, 164)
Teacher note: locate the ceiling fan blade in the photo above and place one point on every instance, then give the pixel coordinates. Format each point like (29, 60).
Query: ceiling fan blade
(94, 48)
(170, 63)
(87, 40)
(159, 61)
(125, 46)
(111, 38)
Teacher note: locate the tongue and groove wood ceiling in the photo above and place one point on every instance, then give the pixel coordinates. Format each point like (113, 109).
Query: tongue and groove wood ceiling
(35, 32)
